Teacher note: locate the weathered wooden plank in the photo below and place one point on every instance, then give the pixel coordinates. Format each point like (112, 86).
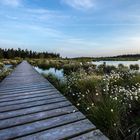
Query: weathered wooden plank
(23, 88)
(34, 127)
(12, 82)
(30, 100)
(36, 116)
(24, 80)
(34, 109)
(29, 96)
(36, 77)
(26, 92)
(17, 84)
(32, 81)
(93, 135)
(62, 132)
(30, 104)
(47, 91)
(20, 86)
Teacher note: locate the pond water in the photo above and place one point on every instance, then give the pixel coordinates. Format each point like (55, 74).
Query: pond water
(116, 63)
(58, 73)
(7, 66)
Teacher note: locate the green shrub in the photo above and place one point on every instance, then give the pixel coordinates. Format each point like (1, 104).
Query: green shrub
(134, 67)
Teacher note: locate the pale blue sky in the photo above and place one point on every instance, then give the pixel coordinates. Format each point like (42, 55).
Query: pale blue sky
(71, 27)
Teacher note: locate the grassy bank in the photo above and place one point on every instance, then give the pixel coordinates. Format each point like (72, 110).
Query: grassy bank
(6, 71)
(111, 103)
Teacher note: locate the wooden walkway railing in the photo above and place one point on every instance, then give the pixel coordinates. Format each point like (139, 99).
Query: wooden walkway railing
(32, 109)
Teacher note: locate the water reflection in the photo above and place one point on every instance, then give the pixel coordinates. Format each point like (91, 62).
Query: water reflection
(116, 63)
(56, 72)
(8, 66)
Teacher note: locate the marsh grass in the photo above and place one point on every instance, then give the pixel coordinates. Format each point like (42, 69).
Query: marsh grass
(58, 83)
(108, 114)
(68, 66)
(6, 71)
(111, 101)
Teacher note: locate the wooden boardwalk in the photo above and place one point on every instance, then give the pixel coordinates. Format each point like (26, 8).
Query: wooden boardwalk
(32, 109)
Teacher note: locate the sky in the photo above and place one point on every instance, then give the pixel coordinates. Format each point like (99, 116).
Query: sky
(72, 28)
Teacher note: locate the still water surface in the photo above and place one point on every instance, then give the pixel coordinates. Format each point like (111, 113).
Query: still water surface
(56, 72)
(116, 63)
(7, 66)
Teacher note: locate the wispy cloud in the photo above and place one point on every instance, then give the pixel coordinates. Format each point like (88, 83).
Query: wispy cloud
(50, 32)
(13, 3)
(47, 15)
(80, 4)
(123, 44)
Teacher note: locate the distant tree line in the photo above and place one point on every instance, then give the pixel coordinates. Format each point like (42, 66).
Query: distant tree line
(13, 53)
(128, 55)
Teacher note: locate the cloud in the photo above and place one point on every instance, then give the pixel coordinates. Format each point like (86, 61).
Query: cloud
(39, 16)
(80, 4)
(116, 46)
(13, 3)
(39, 11)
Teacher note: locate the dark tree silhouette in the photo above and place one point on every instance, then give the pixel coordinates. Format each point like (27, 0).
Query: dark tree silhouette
(13, 53)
